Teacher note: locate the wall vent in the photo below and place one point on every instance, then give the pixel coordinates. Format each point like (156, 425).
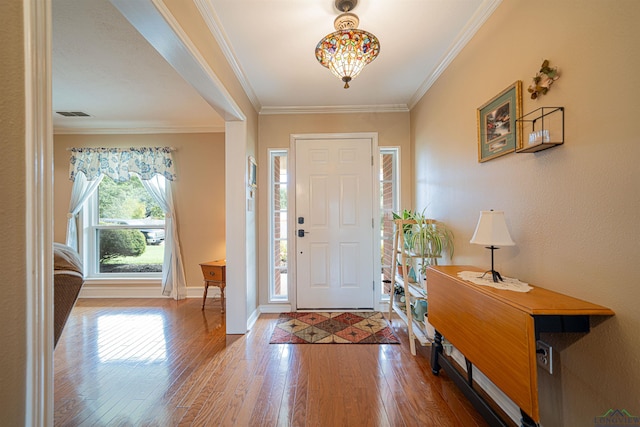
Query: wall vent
(73, 114)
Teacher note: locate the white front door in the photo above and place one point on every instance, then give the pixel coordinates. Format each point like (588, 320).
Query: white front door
(334, 223)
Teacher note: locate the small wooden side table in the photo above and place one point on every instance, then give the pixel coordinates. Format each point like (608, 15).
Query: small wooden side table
(215, 273)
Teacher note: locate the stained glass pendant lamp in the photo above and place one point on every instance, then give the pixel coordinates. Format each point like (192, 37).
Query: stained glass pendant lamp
(346, 51)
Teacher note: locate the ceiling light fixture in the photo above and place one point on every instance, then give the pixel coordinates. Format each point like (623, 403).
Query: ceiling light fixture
(346, 51)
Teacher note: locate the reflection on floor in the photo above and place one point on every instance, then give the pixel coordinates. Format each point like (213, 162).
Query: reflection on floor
(131, 337)
(159, 362)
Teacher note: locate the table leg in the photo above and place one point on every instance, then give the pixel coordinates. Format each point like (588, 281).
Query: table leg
(222, 302)
(526, 420)
(206, 288)
(436, 351)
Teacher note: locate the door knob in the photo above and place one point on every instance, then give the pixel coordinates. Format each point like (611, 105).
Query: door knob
(301, 233)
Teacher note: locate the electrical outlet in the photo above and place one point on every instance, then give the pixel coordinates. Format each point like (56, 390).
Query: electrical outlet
(544, 354)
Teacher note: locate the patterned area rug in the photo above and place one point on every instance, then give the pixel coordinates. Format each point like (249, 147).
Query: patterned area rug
(368, 327)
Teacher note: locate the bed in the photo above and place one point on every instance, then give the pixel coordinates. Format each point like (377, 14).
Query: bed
(67, 281)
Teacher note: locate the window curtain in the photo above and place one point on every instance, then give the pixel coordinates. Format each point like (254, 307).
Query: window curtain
(173, 279)
(80, 192)
(119, 163)
(152, 164)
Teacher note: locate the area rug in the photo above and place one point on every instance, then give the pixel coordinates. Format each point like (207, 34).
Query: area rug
(368, 327)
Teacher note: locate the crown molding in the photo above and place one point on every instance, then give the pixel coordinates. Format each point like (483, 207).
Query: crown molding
(336, 109)
(210, 17)
(136, 130)
(481, 15)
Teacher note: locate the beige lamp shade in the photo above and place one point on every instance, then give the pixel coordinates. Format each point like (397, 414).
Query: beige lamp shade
(492, 230)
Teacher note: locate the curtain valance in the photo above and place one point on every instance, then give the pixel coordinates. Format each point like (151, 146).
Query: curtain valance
(119, 163)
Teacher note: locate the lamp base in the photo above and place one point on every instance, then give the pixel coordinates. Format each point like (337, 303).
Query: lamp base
(496, 276)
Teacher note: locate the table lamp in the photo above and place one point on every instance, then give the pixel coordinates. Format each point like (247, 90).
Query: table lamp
(492, 232)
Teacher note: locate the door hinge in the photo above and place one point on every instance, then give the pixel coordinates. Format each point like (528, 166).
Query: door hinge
(372, 223)
(374, 285)
(371, 160)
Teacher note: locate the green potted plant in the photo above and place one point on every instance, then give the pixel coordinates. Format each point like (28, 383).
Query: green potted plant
(428, 240)
(406, 214)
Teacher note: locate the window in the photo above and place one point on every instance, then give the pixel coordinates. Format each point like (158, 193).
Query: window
(278, 242)
(389, 202)
(126, 231)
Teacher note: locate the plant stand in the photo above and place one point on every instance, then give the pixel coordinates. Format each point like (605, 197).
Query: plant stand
(417, 329)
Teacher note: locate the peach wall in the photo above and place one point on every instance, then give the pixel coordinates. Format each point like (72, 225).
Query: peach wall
(13, 360)
(275, 132)
(198, 192)
(187, 15)
(572, 210)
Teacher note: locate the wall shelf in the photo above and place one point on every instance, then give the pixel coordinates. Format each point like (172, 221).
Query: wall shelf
(541, 129)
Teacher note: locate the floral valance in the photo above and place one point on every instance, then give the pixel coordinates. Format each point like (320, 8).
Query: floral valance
(119, 163)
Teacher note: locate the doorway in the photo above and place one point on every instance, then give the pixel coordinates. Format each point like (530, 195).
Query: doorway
(334, 222)
(38, 143)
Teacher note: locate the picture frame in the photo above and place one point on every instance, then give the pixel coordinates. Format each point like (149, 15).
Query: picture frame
(252, 169)
(498, 132)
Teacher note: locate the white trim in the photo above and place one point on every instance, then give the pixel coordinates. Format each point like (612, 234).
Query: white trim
(137, 131)
(335, 109)
(197, 292)
(38, 407)
(238, 267)
(208, 13)
(253, 318)
(102, 290)
(468, 31)
(275, 308)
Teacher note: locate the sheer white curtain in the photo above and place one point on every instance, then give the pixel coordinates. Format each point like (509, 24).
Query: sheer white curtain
(154, 166)
(80, 192)
(173, 280)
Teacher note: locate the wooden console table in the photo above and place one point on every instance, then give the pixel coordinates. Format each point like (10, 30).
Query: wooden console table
(215, 273)
(496, 331)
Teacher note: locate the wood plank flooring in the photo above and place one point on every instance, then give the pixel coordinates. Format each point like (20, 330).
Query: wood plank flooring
(157, 362)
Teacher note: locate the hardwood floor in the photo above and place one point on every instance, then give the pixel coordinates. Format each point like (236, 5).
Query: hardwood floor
(156, 362)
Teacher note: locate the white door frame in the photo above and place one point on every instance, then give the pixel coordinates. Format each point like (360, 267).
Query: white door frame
(38, 145)
(293, 138)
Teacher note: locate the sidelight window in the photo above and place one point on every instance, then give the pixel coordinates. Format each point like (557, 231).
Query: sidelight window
(278, 215)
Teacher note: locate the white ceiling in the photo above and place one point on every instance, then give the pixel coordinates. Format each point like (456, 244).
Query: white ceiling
(104, 67)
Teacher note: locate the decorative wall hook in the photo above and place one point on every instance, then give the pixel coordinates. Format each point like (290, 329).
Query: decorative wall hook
(542, 81)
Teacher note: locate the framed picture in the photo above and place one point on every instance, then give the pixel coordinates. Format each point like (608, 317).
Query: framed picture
(497, 130)
(252, 169)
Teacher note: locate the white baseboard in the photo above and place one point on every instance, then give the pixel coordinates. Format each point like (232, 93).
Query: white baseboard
(197, 292)
(153, 290)
(275, 308)
(287, 308)
(253, 317)
(501, 399)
